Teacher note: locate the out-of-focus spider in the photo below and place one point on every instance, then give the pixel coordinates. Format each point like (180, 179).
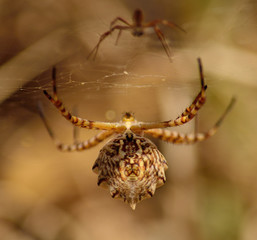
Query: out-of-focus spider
(129, 164)
(137, 29)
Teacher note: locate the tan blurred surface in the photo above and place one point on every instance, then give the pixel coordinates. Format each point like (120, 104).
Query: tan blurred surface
(211, 188)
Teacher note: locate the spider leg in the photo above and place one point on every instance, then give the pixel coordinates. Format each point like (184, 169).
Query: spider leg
(76, 146)
(166, 23)
(80, 146)
(186, 116)
(172, 25)
(163, 41)
(114, 22)
(177, 138)
(154, 25)
(77, 121)
(118, 37)
(119, 19)
(75, 132)
(189, 109)
(103, 36)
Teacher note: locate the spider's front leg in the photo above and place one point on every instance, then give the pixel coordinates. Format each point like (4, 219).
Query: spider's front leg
(55, 100)
(118, 19)
(186, 116)
(198, 102)
(104, 35)
(201, 97)
(77, 121)
(167, 23)
(113, 24)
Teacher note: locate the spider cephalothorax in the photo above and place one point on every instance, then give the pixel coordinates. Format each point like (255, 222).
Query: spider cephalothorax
(130, 165)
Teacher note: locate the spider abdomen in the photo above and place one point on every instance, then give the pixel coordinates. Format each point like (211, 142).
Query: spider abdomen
(132, 168)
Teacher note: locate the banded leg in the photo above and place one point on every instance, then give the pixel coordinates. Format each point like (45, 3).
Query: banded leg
(77, 121)
(186, 116)
(77, 146)
(177, 138)
(195, 104)
(80, 146)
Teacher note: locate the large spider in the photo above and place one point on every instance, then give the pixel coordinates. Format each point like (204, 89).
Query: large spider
(137, 29)
(129, 164)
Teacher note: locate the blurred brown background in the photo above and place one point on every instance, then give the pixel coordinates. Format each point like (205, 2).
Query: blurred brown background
(211, 188)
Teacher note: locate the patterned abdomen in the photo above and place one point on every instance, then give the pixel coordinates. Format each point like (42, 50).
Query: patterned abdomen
(131, 167)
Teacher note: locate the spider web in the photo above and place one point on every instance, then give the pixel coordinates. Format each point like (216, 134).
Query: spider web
(126, 77)
(138, 78)
(131, 71)
(135, 75)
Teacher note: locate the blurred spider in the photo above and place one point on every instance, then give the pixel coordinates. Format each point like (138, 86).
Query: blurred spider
(137, 29)
(130, 165)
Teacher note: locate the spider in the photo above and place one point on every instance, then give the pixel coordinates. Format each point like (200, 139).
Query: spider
(137, 29)
(129, 164)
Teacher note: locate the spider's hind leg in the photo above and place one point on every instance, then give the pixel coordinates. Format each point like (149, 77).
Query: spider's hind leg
(77, 145)
(177, 138)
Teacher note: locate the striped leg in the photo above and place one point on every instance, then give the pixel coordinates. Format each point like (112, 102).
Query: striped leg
(77, 146)
(84, 123)
(177, 138)
(200, 99)
(187, 115)
(80, 146)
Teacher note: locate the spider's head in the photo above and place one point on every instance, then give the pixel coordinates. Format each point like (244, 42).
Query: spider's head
(128, 117)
